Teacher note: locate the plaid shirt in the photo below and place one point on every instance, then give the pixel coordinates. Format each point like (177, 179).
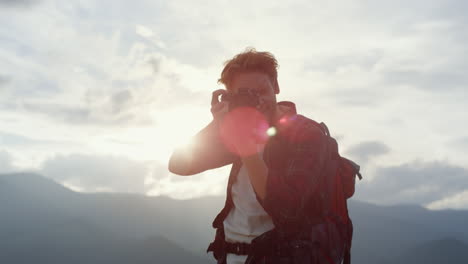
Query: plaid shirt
(295, 162)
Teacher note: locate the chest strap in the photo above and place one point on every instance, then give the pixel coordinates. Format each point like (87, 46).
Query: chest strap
(237, 248)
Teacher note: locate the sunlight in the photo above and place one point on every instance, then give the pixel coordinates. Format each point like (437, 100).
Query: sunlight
(176, 127)
(173, 128)
(204, 184)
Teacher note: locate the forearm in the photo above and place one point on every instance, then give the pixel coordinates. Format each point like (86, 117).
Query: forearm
(258, 173)
(206, 152)
(181, 162)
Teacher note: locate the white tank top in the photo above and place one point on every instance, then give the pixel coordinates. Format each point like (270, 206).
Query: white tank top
(247, 218)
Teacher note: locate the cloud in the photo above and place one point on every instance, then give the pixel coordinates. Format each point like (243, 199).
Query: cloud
(414, 183)
(58, 111)
(459, 144)
(93, 173)
(361, 66)
(429, 59)
(212, 182)
(144, 31)
(332, 63)
(3, 80)
(17, 3)
(94, 75)
(16, 89)
(365, 151)
(6, 162)
(120, 99)
(155, 64)
(430, 80)
(456, 201)
(390, 50)
(112, 113)
(18, 140)
(12, 139)
(122, 86)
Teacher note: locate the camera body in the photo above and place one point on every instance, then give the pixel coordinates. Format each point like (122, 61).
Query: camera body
(246, 97)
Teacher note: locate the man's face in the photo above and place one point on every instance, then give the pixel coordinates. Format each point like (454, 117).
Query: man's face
(263, 85)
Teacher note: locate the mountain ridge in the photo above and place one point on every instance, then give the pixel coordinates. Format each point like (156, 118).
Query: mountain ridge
(187, 223)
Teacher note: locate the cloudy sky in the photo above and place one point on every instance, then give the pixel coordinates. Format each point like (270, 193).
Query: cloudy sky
(96, 94)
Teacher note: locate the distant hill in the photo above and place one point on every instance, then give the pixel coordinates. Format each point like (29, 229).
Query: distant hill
(435, 252)
(43, 219)
(383, 232)
(43, 222)
(95, 249)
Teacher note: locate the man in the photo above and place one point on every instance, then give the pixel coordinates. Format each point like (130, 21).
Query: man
(274, 210)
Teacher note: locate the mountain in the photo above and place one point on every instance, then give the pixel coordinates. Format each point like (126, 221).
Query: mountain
(383, 232)
(39, 215)
(441, 251)
(31, 196)
(96, 249)
(43, 222)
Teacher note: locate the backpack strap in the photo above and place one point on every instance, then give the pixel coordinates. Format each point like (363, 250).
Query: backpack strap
(347, 257)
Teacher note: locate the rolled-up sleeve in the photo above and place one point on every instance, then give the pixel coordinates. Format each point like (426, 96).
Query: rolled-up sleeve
(288, 190)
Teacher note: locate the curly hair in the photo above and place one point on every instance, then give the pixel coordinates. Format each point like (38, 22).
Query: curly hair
(249, 61)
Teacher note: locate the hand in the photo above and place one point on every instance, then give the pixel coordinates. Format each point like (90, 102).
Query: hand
(218, 109)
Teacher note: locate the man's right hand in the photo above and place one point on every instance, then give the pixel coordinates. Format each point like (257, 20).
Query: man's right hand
(219, 109)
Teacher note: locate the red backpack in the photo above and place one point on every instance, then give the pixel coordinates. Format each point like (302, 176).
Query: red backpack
(339, 186)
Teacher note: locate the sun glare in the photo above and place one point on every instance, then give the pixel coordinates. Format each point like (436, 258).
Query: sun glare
(173, 128)
(176, 127)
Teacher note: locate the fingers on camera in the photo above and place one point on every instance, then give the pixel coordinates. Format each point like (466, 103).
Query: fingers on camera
(215, 96)
(219, 92)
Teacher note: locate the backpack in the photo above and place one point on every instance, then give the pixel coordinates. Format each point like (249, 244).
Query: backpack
(332, 192)
(339, 186)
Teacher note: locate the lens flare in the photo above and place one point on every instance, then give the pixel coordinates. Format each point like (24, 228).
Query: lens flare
(271, 131)
(243, 130)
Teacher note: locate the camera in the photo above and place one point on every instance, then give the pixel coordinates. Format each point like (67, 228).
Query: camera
(245, 97)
